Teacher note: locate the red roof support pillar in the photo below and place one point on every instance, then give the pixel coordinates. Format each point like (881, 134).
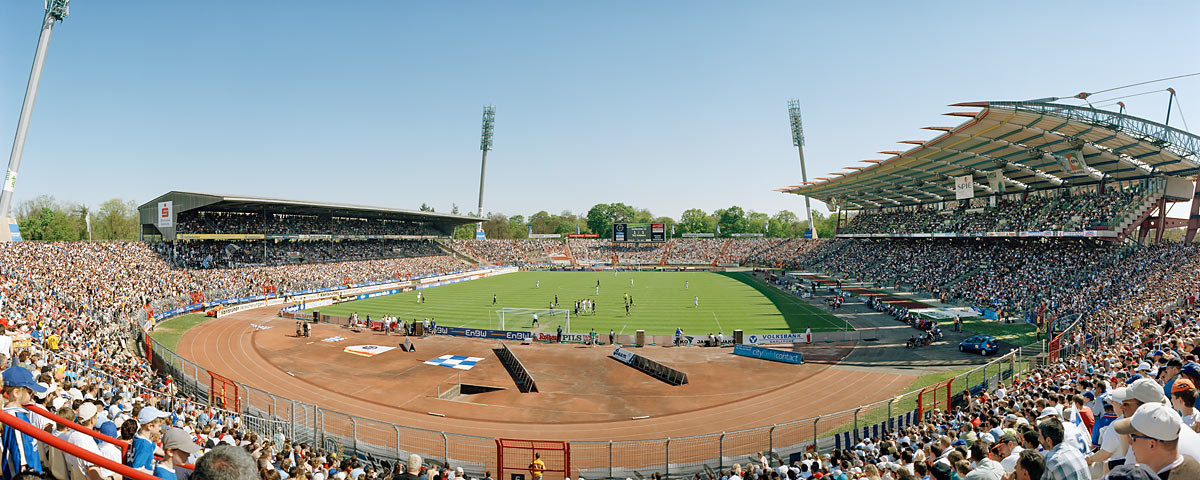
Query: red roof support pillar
(1162, 219)
(1194, 218)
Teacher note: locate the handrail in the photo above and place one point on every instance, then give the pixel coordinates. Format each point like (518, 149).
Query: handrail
(72, 449)
(38, 409)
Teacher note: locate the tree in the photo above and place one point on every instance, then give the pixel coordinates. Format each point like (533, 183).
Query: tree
(115, 219)
(601, 217)
(517, 228)
(426, 208)
(47, 224)
(756, 222)
(496, 226)
(825, 225)
(784, 225)
(694, 220)
(454, 208)
(465, 232)
(731, 220)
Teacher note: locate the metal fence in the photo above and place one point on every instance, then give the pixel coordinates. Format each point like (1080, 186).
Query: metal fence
(267, 414)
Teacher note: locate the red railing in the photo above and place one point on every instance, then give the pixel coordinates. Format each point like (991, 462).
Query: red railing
(74, 450)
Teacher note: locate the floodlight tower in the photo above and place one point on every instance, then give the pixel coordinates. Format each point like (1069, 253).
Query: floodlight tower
(798, 142)
(56, 10)
(485, 144)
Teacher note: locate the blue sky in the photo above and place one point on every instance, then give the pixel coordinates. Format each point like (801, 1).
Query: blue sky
(662, 105)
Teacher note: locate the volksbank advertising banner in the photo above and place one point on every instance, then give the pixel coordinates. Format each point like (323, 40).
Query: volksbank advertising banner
(768, 354)
(773, 338)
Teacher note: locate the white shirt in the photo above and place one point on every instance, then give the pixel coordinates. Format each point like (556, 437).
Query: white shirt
(1010, 462)
(81, 440)
(1110, 441)
(1190, 419)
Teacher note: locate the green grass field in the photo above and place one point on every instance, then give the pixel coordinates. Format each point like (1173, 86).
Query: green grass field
(169, 332)
(728, 301)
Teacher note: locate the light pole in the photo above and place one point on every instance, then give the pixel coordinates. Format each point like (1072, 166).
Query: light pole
(56, 10)
(798, 142)
(485, 144)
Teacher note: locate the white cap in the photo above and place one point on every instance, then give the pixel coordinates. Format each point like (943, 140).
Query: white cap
(1147, 391)
(86, 412)
(1118, 395)
(1048, 412)
(1144, 366)
(1154, 420)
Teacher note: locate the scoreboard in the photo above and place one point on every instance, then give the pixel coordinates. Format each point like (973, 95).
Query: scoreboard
(639, 232)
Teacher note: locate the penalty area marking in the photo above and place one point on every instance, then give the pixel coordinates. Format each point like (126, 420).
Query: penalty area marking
(719, 328)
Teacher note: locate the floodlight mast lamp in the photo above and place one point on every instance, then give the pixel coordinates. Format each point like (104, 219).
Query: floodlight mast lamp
(56, 10)
(485, 144)
(798, 142)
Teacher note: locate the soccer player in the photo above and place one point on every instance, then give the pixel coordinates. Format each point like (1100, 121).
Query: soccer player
(493, 299)
(537, 284)
(695, 302)
(626, 309)
(631, 283)
(535, 322)
(685, 285)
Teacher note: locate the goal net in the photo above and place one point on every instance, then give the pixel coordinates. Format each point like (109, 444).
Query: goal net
(523, 317)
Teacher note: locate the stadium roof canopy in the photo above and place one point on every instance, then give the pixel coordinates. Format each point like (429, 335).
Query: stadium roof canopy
(1029, 142)
(150, 211)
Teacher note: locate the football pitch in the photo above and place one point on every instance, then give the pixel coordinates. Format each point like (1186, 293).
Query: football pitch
(662, 301)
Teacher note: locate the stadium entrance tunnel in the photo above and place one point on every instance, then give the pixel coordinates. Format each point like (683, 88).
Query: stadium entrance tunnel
(466, 391)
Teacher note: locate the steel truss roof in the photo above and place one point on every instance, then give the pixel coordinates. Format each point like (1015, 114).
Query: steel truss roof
(1022, 139)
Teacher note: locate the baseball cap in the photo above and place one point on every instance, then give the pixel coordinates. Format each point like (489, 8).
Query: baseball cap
(149, 414)
(1048, 412)
(48, 390)
(1008, 437)
(1143, 366)
(1147, 391)
(1191, 368)
(1135, 471)
(1175, 362)
(20, 377)
(940, 471)
(86, 412)
(1010, 418)
(177, 439)
(1181, 385)
(1154, 420)
(1157, 353)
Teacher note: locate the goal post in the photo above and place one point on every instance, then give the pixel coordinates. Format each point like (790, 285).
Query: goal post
(519, 315)
(513, 458)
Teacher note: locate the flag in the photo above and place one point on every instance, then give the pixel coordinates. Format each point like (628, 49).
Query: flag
(672, 229)
(87, 218)
(577, 229)
(718, 229)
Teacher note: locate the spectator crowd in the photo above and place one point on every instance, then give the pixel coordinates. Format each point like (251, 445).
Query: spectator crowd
(1118, 401)
(1056, 210)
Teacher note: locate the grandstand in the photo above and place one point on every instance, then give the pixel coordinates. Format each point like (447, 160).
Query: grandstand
(1067, 236)
(1023, 169)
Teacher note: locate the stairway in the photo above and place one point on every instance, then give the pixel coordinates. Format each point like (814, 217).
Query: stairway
(449, 249)
(721, 253)
(1137, 214)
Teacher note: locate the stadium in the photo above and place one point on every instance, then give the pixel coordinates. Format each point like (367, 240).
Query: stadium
(1013, 297)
